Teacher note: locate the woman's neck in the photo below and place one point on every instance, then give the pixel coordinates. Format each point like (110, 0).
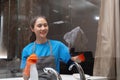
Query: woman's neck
(40, 41)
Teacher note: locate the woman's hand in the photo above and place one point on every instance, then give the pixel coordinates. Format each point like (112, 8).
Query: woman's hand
(75, 59)
(79, 58)
(32, 59)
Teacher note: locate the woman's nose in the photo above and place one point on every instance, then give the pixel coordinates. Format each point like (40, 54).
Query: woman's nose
(43, 27)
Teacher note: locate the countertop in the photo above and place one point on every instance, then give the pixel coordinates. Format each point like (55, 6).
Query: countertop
(64, 77)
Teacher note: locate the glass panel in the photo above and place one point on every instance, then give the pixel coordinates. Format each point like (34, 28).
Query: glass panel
(63, 16)
(8, 38)
(3, 51)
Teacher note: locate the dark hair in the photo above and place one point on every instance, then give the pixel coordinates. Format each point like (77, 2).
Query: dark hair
(32, 23)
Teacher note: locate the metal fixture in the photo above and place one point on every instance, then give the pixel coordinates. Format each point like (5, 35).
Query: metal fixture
(49, 70)
(80, 70)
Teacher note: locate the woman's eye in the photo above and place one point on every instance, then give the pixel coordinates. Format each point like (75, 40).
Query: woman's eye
(39, 25)
(45, 25)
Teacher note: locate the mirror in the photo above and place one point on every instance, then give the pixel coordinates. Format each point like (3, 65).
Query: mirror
(63, 15)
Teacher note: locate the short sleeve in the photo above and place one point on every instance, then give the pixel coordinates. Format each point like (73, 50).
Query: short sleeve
(24, 57)
(64, 53)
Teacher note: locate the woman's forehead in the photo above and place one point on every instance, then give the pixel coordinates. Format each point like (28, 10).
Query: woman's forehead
(41, 20)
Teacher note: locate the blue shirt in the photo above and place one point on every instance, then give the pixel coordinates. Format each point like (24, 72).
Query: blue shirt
(59, 50)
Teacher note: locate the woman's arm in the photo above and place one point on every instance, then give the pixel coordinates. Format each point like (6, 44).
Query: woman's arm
(25, 77)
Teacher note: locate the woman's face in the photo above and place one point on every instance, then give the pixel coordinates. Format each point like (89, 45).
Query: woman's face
(40, 28)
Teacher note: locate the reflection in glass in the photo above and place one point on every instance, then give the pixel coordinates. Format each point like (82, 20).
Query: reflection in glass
(63, 16)
(3, 51)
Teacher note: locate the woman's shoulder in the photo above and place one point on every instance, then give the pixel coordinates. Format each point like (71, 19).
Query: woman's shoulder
(28, 46)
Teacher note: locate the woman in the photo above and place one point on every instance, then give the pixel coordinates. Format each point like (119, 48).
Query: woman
(42, 46)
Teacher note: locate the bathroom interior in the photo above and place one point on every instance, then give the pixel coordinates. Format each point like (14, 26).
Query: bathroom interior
(63, 16)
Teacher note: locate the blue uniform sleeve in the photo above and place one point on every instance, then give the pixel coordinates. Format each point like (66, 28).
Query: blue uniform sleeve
(24, 58)
(64, 53)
